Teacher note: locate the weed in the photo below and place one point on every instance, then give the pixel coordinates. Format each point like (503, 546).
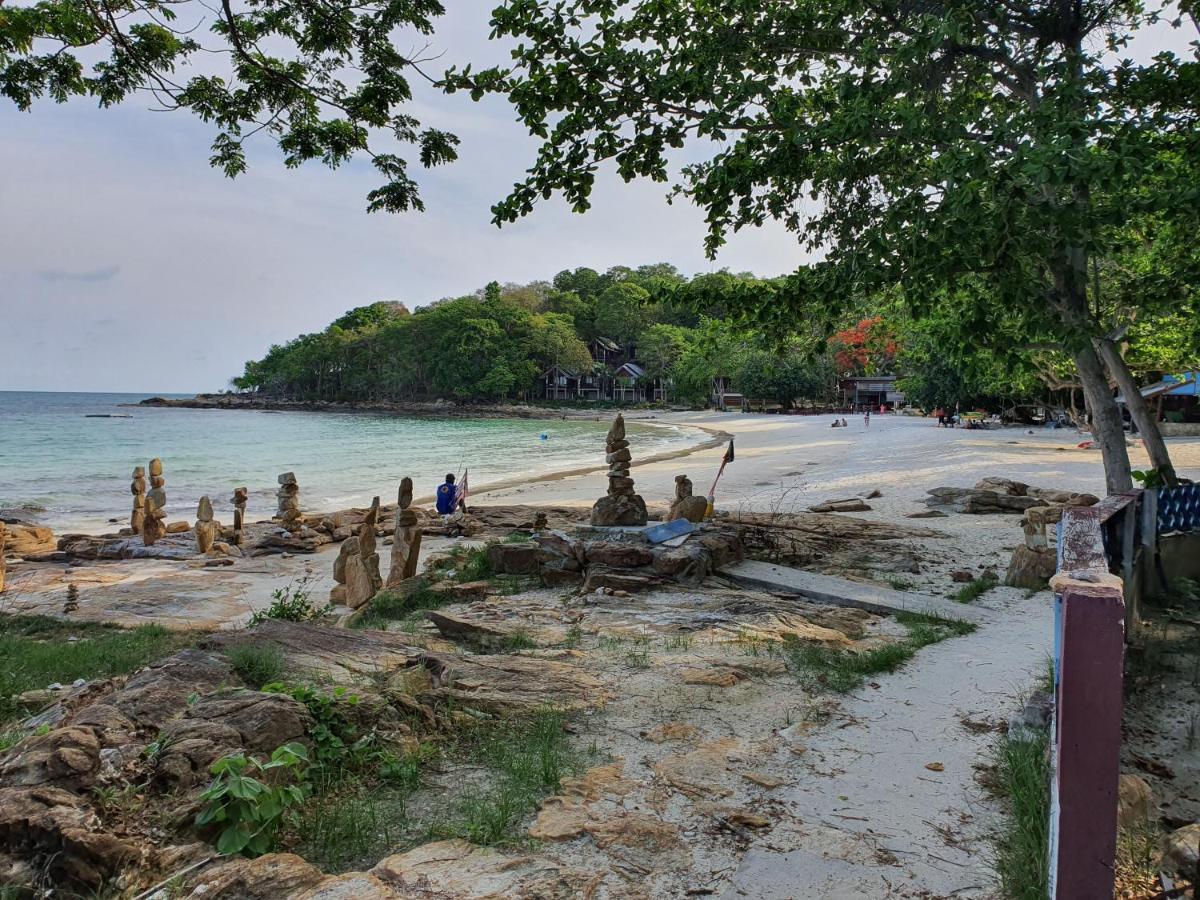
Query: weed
(574, 637)
(1138, 858)
(249, 809)
(900, 584)
(292, 603)
(256, 664)
(1022, 846)
(637, 657)
(518, 639)
(611, 642)
(35, 651)
(347, 826)
(973, 590)
(337, 746)
(681, 642)
(389, 606)
(473, 564)
(845, 670)
(527, 760)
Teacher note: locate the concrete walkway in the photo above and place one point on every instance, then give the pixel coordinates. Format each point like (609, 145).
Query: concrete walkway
(843, 592)
(886, 793)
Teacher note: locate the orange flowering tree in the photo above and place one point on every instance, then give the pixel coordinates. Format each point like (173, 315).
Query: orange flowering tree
(866, 348)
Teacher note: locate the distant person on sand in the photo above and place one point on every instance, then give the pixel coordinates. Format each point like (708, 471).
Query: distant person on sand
(867, 417)
(448, 498)
(845, 424)
(835, 424)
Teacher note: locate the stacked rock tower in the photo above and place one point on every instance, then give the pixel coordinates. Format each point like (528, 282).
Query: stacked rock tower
(621, 506)
(154, 524)
(288, 496)
(137, 487)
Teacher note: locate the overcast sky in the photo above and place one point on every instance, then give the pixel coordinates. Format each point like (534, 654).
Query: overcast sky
(128, 264)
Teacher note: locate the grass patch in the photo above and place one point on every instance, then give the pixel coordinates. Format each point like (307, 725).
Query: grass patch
(842, 671)
(35, 651)
(349, 827)
(973, 590)
(388, 606)
(1022, 847)
(256, 664)
(525, 761)
(899, 584)
(1138, 860)
(472, 564)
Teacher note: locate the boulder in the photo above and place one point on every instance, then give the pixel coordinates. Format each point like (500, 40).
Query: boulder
(1030, 569)
(1181, 850)
(604, 577)
(617, 554)
(1135, 801)
(272, 877)
(514, 559)
(67, 758)
(621, 509)
(23, 540)
(850, 504)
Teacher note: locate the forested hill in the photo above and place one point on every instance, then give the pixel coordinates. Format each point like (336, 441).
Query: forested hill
(497, 343)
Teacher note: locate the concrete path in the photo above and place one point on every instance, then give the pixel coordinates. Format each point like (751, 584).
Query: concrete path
(843, 592)
(886, 792)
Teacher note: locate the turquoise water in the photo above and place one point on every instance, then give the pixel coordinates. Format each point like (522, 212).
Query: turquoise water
(74, 471)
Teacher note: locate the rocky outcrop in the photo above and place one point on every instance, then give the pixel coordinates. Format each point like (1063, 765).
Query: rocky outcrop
(514, 559)
(621, 506)
(1003, 495)
(686, 506)
(29, 540)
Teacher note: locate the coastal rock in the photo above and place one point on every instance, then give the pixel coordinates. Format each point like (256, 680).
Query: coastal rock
(406, 539)
(514, 559)
(618, 554)
(619, 510)
(685, 505)
(153, 526)
(1135, 801)
(850, 504)
(25, 540)
(1181, 850)
(1030, 569)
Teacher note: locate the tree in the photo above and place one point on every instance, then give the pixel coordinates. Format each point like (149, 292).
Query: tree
(622, 312)
(866, 348)
(945, 143)
(325, 81)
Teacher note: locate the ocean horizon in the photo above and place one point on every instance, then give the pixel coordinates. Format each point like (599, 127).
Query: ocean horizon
(66, 457)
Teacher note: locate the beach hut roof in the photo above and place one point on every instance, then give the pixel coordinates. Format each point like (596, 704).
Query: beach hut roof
(632, 369)
(608, 344)
(1185, 385)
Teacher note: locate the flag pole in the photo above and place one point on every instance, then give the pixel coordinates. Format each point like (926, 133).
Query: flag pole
(712, 491)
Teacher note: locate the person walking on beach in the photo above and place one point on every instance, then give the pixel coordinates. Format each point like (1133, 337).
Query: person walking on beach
(867, 417)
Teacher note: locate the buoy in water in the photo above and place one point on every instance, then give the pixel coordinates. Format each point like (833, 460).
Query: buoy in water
(544, 436)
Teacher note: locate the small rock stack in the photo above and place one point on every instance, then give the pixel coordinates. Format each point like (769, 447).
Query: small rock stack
(3, 540)
(205, 528)
(138, 488)
(686, 505)
(240, 496)
(406, 542)
(622, 506)
(288, 496)
(154, 522)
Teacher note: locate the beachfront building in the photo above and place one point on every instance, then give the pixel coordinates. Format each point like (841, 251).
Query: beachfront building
(1176, 403)
(869, 392)
(612, 378)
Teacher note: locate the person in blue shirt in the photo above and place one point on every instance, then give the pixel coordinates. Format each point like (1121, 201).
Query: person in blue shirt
(447, 497)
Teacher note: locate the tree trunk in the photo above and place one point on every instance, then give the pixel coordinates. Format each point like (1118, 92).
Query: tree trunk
(1107, 426)
(1139, 409)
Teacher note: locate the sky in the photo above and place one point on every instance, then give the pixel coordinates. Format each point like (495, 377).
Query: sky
(128, 264)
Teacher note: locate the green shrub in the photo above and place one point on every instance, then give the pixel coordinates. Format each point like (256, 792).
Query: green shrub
(256, 664)
(292, 603)
(249, 809)
(1022, 847)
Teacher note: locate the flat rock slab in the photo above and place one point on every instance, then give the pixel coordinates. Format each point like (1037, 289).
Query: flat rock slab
(843, 592)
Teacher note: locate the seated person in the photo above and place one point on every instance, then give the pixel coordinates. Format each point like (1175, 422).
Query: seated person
(835, 424)
(448, 501)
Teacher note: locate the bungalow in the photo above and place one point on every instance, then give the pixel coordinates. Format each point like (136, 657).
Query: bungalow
(629, 383)
(870, 392)
(1176, 403)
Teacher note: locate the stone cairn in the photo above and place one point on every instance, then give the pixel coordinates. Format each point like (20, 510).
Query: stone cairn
(356, 570)
(1035, 561)
(686, 506)
(240, 496)
(205, 528)
(406, 543)
(154, 522)
(621, 506)
(3, 540)
(288, 512)
(138, 488)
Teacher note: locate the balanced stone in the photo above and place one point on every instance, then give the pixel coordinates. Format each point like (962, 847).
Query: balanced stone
(356, 569)
(686, 506)
(156, 468)
(621, 506)
(240, 496)
(288, 497)
(153, 526)
(138, 488)
(406, 542)
(205, 528)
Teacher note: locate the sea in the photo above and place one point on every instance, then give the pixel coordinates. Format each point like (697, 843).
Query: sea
(66, 459)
